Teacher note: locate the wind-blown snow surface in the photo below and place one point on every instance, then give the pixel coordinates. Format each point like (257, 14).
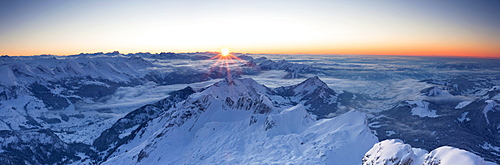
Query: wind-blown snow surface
(333, 141)
(221, 134)
(395, 152)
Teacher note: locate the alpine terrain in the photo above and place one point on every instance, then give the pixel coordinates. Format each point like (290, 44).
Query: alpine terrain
(180, 108)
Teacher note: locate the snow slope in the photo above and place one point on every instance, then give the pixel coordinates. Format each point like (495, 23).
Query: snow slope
(394, 151)
(81, 105)
(341, 140)
(208, 129)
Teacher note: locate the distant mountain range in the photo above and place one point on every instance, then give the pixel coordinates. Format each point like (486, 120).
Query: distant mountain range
(50, 113)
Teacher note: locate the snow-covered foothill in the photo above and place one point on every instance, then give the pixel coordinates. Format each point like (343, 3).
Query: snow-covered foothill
(462, 104)
(393, 151)
(396, 152)
(447, 155)
(421, 108)
(491, 105)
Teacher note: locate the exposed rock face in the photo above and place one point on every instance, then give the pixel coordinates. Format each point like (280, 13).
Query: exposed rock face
(37, 147)
(319, 99)
(129, 125)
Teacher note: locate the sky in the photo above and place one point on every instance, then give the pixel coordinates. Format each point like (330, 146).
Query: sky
(382, 27)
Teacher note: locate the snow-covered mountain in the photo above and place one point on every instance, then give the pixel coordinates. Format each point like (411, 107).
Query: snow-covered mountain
(238, 121)
(174, 108)
(313, 93)
(395, 152)
(236, 94)
(126, 128)
(285, 65)
(438, 118)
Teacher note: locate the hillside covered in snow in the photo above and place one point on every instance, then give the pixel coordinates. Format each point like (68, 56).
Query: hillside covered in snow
(170, 108)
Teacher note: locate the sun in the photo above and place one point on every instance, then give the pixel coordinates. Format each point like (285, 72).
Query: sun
(225, 61)
(224, 51)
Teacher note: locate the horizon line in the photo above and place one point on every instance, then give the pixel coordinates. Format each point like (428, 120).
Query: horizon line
(326, 54)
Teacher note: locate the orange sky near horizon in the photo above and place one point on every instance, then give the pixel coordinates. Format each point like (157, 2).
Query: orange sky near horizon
(333, 50)
(360, 27)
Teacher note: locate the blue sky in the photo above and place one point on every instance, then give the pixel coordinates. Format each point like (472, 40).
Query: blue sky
(460, 28)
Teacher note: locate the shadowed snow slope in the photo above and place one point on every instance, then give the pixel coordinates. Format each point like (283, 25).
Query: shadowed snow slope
(318, 98)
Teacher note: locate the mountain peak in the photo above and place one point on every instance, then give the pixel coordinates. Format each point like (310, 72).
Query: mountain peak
(314, 80)
(238, 87)
(314, 93)
(310, 84)
(237, 82)
(432, 91)
(305, 87)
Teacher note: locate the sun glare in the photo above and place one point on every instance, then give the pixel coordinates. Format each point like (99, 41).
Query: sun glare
(225, 61)
(224, 52)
